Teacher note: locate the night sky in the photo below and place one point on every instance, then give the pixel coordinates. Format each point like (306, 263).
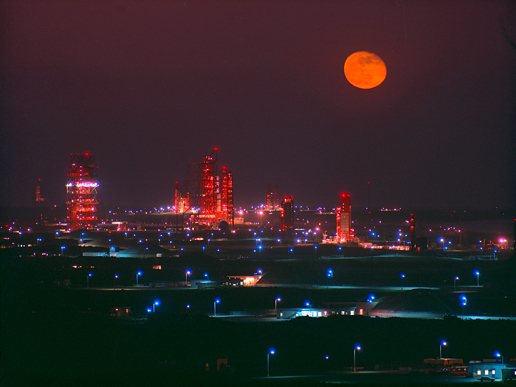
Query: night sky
(148, 86)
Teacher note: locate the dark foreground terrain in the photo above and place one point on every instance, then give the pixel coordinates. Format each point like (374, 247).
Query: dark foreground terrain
(54, 335)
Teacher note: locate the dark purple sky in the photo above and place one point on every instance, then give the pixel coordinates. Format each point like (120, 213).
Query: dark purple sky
(148, 86)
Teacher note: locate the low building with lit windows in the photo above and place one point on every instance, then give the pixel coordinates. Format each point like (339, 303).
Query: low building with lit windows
(491, 369)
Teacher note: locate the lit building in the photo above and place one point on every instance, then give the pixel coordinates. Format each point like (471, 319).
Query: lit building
(81, 189)
(344, 230)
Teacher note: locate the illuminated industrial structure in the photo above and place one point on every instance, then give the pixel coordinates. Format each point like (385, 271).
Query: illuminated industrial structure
(344, 230)
(412, 232)
(272, 202)
(287, 216)
(81, 190)
(39, 199)
(207, 195)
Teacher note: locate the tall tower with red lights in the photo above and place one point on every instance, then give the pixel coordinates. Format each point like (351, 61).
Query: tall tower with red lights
(344, 230)
(227, 212)
(208, 189)
(207, 192)
(287, 216)
(81, 190)
(39, 199)
(412, 231)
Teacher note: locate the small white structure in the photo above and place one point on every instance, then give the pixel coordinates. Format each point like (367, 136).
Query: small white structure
(487, 369)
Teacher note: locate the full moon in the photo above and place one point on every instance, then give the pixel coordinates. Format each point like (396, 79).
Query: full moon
(365, 70)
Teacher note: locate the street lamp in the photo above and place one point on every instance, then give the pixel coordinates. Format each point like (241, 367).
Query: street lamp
(308, 305)
(217, 301)
(138, 273)
(149, 309)
(441, 344)
(329, 273)
(498, 354)
(463, 302)
(114, 281)
(276, 300)
(355, 349)
(62, 249)
(154, 304)
(88, 280)
(455, 282)
(402, 275)
(188, 272)
(272, 351)
(207, 275)
(477, 273)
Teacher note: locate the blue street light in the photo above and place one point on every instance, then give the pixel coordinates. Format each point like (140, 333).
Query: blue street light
(276, 300)
(477, 273)
(149, 309)
(371, 298)
(356, 348)
(498, 354)
(463, 302)
(138, 273)
(62, 249)
(188, 272)
(206, 275)
(441, 345)
(329, 273)
(114, 281)
(455, 282)
(402, 275)
(88, 279)
(217, 301)
(326, 357)
(154, 304)
(271, 351)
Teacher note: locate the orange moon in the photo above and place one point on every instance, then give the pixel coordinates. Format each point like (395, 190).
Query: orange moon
(365, 70)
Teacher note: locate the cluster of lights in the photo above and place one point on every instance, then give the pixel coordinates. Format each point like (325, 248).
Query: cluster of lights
(91, 184)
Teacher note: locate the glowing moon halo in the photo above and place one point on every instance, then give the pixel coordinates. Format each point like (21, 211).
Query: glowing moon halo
(365, 70)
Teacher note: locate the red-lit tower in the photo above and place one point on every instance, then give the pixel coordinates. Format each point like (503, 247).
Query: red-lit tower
(81, 189)
(344, 230)
(208, 189)
(227, 213)
(287, 216)
(412, 231)
(39, 199)
(207, 193)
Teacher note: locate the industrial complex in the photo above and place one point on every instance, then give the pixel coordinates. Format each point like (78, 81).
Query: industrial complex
(279, 266)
